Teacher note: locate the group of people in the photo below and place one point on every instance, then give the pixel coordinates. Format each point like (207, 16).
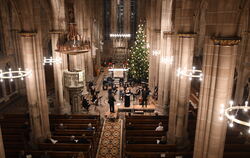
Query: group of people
(125, 93)
(94, 97)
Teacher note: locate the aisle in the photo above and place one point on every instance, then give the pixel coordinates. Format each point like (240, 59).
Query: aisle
(110, 142)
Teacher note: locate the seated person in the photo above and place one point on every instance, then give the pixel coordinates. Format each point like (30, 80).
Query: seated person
(45, 155)
(90, 127)
(50, 140)
(83, 141)
(160, 127)
(162, 141)
(85, 103)
(61, 126)
(130, 127)
(72, 139)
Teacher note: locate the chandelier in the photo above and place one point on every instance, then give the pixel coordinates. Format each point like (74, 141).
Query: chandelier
(167, 60)
(52, 60)
(119, 35)
(228, 113)
(72, 43)
(155, 52)
(14, 74)
(191, 73)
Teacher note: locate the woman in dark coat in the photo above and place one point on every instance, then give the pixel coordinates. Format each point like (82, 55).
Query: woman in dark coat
(127, 98)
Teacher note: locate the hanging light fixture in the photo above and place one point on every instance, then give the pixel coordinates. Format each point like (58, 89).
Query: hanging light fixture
(230, 113)
(20, 74)
(155, 52)
(119, 35)
(191, 73)
(72, 43)
(167, 60)
(52, 60)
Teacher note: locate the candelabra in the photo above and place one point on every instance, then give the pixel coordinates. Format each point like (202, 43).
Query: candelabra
(155, 52)
(118, 35)
(191, 73)
(228, 114)
(167, 60)
(52, 60)
(14, 74)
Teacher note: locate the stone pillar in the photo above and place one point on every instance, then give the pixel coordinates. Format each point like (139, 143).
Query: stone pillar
(87, 34)
(2, 153)
(127, 13)
(61, 107)
(35, 86)
(180, 89)
(218, 69)
(167, 42)
(113, 19)
(166, 51)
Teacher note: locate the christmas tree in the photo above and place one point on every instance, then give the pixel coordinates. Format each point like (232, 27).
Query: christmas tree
(138, 63)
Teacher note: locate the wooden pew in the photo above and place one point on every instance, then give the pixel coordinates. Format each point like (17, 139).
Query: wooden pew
(237, 148)
(66, 139)
(75, 126)
(146, 121)
(14, 145)
(52, 154)
(145, 133)
(13, 138)
(73, 132)
(150, 147)
(236, 155)
(148, 117)
(74, 121)
(73, 116)
(142, 140)
(64, 147)
(158, 154)
(144, 127)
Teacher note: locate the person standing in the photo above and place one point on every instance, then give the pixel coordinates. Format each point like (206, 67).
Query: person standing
(111, 102)
(145, 93)
(127, 98)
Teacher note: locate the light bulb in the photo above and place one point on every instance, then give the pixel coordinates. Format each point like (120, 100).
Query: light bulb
(221, 118)
(248, 131)
(231, 124)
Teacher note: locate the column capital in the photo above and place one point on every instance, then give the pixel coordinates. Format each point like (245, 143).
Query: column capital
(56, 31)
(27, 33)
(186, 34)
(226, 41)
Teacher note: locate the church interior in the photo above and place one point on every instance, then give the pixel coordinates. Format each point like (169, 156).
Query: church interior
(124, 78)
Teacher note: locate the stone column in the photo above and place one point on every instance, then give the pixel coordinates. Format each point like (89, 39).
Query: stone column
(58, 68)
(127, 13)
(218, 69)
(59, 26)
(113, 19)
(180, 89)
(87, 26)
(35, 86)
(166, 51)
(167, 42)
(2, 153)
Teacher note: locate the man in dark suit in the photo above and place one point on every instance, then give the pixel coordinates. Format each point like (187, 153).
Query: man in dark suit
(111, 102)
